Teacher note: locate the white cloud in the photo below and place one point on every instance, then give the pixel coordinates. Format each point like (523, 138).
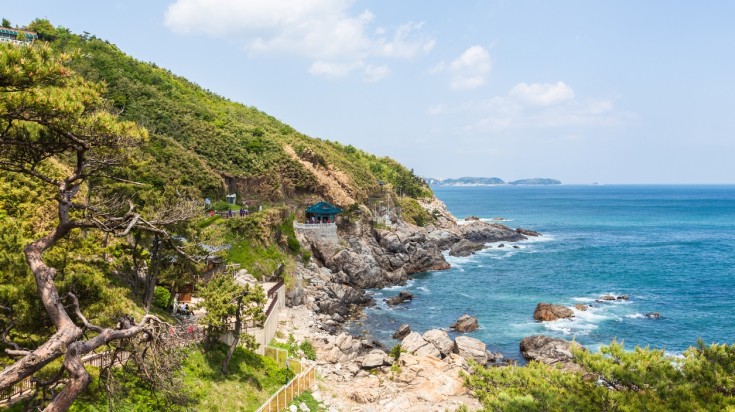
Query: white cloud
(540, 94)
(376, 73)
(324, 31)
(468, 71)
(535, 106)
(329, 69)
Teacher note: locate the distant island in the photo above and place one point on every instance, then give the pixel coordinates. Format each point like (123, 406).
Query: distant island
(487, 181)
(535, 181)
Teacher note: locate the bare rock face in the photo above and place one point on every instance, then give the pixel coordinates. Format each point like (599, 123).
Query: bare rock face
(547, 312)
(483, 232)
(471, 348)
(402, 331)
(549, 350)
(465, 323)
(581, 307)
(465, 247)
(653, 315)
(440, 340)
(415, 344)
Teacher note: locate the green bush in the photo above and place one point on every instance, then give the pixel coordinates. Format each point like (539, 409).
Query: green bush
(308, 349)
(395, 352)
(221, 206)
(161, 296)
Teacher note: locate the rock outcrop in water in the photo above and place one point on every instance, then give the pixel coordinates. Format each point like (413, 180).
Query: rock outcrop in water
(548, 312)
(465, 323)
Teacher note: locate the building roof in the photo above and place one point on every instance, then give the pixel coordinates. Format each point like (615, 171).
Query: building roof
(323, 208)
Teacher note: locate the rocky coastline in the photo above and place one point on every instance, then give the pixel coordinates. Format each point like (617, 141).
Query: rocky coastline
(359, 373)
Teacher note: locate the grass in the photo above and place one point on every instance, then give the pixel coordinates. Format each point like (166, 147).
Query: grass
(308, 399)
(260, 261)
(251, 381)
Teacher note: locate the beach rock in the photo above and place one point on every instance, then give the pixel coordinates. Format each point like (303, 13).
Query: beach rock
(653, 315)
(440, 340)
(471, 218)
(501, 245)
(548, 312)
(623, 297)
(465, 323)
(415, 344)
(402, 331)
(606, 297)
(374, 359)
(580, 306)
(549, 350)
(465, 248)
(471, 348)
(527, 232)
(516, 247)
(402, 297)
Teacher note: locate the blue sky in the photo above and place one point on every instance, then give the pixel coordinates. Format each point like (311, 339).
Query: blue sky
(604, 91)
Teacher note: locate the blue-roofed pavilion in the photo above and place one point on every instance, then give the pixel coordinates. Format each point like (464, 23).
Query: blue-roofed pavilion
(322, 211)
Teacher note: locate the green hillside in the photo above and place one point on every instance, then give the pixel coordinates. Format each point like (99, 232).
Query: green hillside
(204, 141)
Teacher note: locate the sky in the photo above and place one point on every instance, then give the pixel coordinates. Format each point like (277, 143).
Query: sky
(607, 91)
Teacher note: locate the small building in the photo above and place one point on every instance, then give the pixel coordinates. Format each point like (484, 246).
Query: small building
(231, 199)
(322, 212)
(17, 36)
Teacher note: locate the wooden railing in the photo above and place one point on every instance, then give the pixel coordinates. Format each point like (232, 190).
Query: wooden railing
(280, 400)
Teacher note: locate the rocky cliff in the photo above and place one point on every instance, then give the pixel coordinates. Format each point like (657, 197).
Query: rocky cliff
(367, 255)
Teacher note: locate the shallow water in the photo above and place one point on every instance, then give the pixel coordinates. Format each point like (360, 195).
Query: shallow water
(670, 248)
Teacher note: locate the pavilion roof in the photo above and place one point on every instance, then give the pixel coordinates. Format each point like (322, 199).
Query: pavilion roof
(323, 208)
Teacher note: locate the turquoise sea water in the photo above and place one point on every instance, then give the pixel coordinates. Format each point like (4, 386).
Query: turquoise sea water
(671, 248)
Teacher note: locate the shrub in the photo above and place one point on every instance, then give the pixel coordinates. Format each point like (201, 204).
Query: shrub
(395, 352)
(308, 349)
(161, 296)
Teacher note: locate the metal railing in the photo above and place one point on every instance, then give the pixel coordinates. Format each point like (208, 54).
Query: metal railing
(315, 226)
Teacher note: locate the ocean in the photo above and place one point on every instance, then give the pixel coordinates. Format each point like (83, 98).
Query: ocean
(670, 248)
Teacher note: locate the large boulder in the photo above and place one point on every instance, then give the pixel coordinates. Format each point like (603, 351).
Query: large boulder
(373, 359)
(415, 344)
(471, 348)
(402, 331)
(483, 232)
(548, 312)
(464, 248)
(403, 296)
(548, 350)
(465, 323)
(440, 340)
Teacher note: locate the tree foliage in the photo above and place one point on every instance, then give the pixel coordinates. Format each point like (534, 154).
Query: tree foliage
(615, 380)
(56, 130)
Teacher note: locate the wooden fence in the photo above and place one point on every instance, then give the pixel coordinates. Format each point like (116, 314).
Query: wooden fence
(280, 400)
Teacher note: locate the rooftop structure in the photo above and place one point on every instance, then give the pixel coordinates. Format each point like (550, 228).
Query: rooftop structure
(17, 36)
(322, 212)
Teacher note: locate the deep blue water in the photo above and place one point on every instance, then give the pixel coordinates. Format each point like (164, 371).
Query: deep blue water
(671, 248)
